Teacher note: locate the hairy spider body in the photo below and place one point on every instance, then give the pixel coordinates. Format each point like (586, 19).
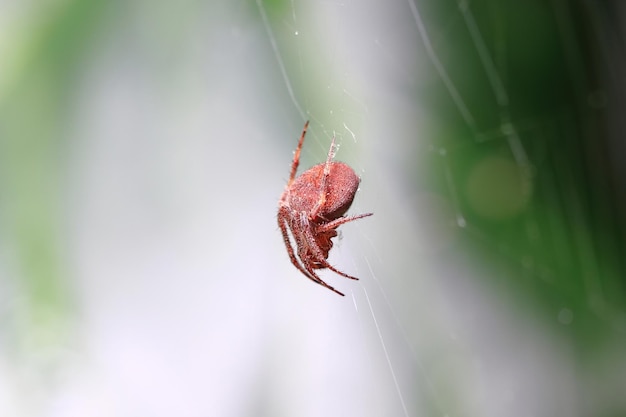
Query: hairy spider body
(312, 207)
(341, 186)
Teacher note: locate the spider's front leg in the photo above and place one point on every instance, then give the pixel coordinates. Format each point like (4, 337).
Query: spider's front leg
(296, 156)
(303, 264)
(283, 223)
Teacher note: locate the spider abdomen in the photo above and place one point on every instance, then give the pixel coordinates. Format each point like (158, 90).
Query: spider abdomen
(342, 184)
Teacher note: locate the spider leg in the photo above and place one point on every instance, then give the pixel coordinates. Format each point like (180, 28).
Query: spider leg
(338, 222)
(325, 175)
(322, 283)
(319, 257)
(296, 156)
(282, 223)
(308, 272)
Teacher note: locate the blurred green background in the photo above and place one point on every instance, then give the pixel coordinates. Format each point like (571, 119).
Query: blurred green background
(143, 146)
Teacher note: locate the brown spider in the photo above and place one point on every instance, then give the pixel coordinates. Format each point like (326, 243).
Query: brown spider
(312, 208)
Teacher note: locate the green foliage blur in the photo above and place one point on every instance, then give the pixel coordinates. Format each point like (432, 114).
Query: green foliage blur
(543, 195)
(43, 50)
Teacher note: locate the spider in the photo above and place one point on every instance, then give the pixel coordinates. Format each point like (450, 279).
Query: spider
(312, 207)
